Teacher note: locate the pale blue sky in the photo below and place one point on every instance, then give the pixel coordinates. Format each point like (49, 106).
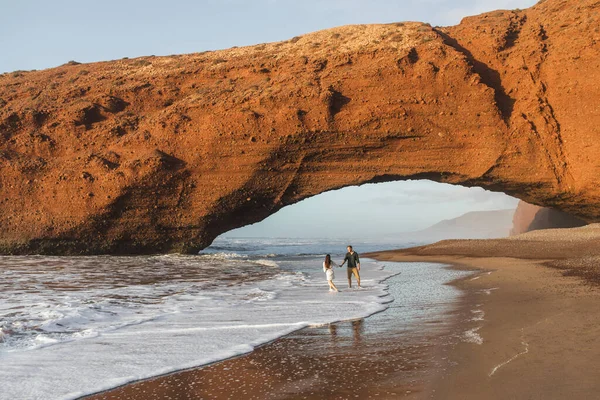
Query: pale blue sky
(37, 34)
(376, 210)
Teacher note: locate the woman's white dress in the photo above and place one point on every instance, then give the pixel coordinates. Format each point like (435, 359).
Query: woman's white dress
(329, 271)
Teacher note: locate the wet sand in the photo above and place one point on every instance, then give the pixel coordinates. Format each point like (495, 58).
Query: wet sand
(541, 328)
(533, 321)
(540, 335)
(297, 366)
(386, 356)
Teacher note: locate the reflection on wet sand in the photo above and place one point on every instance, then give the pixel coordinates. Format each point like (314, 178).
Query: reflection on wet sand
(333, 331)
(357, 328)
(377, 357)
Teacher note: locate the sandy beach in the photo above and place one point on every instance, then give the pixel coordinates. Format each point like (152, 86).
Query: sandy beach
(534, 331)
(541, 324)
(539, 335)
(390, 354)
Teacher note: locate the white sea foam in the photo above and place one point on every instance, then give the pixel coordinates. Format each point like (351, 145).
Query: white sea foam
(488, 291)
(260, 295)
(524, 351)
(478, 315)
(223, 256)
(86, 344)
(471, 336)
(267, 263)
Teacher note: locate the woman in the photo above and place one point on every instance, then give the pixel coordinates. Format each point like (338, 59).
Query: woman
(328, 265)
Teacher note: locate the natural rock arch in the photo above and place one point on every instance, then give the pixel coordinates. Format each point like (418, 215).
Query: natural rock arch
(161, 154)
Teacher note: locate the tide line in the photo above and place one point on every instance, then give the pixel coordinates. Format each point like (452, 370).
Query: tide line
(524, 343)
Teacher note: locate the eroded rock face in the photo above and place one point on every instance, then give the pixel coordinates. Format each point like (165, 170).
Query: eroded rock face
(529, 218)
(161, 154)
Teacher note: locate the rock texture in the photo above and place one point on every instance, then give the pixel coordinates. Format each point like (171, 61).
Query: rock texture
(529, 218)
(162, 154)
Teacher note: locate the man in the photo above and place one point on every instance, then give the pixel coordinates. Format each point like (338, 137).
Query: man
(353, 266)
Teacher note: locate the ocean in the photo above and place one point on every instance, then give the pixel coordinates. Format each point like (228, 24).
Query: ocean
(71, 326)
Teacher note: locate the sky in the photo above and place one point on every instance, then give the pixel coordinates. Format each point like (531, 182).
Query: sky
(379, 210)
(38, 34)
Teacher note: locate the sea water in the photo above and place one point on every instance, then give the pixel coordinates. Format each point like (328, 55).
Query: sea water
(70, 326)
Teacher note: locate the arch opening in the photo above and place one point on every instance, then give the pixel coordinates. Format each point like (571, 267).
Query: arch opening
(379, 215)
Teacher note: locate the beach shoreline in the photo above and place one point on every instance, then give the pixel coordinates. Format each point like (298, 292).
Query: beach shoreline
(527, 326)
(540, 323)
(390, 359)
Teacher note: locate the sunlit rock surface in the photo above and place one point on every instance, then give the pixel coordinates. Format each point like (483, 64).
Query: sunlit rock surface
(529, 218)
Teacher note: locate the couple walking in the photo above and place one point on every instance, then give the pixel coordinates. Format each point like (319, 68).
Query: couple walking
(353, 268)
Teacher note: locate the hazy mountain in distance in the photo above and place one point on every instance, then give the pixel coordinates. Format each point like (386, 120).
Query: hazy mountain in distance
(472, 225)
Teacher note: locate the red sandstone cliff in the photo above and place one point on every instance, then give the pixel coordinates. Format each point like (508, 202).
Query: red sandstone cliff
(529, 218)
(163, 154)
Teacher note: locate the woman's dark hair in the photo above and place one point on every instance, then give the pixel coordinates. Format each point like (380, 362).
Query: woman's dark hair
(327, 260)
